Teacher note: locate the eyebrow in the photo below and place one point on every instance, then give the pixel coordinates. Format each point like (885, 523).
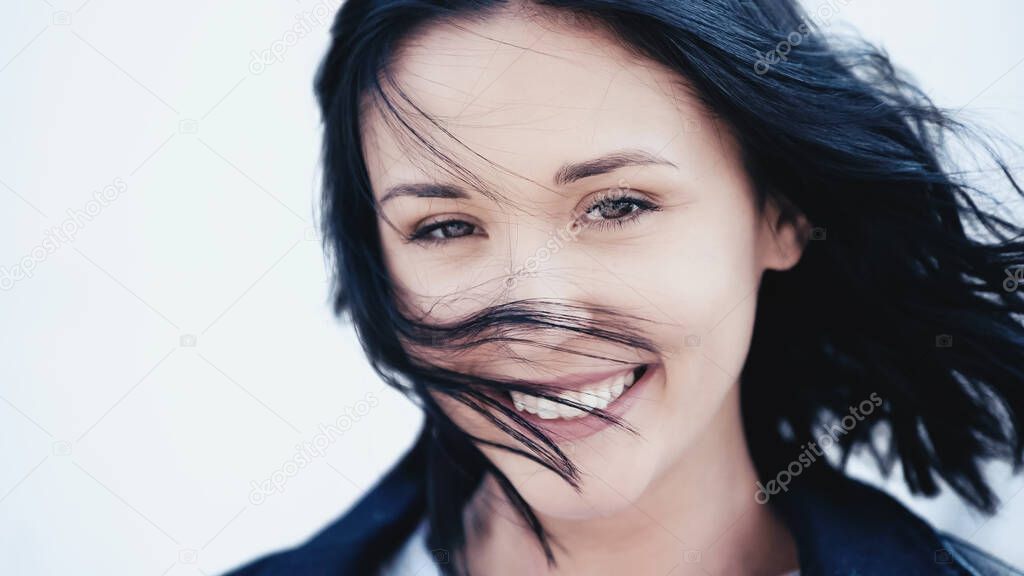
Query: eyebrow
(567, 174)
(425, 190)
(574, 171)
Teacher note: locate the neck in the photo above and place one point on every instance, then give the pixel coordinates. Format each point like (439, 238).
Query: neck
(698, 517)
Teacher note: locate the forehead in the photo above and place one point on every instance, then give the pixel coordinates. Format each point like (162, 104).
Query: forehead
(525, 95)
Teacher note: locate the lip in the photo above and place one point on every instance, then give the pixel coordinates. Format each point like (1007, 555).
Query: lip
(579, 381)
(576, 381)
(577, 428)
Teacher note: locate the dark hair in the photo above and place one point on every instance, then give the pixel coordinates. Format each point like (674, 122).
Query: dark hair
(899, 292)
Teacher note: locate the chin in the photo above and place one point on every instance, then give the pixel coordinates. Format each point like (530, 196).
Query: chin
(614, 489)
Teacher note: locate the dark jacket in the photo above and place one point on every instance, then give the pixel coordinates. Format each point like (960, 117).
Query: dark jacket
(842, 527)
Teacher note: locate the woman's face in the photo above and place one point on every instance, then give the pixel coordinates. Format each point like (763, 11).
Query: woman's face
(605, 184)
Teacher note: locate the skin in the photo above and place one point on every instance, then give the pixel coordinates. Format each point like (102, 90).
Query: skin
(530, 95)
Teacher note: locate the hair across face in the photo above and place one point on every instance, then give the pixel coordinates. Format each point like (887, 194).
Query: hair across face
(524, 192)
(598, 180)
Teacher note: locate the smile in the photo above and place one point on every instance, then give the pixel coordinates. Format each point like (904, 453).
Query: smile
(599, 394)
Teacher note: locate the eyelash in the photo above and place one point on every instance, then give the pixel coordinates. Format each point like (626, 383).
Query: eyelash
(642, 206)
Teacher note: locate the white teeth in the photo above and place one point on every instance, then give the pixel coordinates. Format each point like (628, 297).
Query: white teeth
(565, 411)
(595, 396)
(547, 409)
(594, 400)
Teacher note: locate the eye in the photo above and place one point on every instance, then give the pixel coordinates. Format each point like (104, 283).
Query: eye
(442, 231)
(607, 211)
(617, 210)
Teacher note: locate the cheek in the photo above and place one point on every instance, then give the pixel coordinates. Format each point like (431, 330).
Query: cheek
(464, 417)
(697, 276)
(444, 282)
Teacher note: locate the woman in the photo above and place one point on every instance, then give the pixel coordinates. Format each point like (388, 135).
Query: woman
(653, 270)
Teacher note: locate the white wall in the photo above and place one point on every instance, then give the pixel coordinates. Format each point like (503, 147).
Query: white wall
(180, 345)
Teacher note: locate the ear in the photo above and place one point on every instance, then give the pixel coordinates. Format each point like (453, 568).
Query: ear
(785, 231)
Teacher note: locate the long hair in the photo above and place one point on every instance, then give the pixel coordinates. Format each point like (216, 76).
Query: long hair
(906, 288)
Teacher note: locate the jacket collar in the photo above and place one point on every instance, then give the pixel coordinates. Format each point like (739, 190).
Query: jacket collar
(841, 526)
(845, 527)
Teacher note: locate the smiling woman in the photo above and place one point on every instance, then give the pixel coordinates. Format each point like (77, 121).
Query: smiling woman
(640, 286)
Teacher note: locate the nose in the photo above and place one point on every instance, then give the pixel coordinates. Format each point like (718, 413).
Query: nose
(545, 264)
(548, 265)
